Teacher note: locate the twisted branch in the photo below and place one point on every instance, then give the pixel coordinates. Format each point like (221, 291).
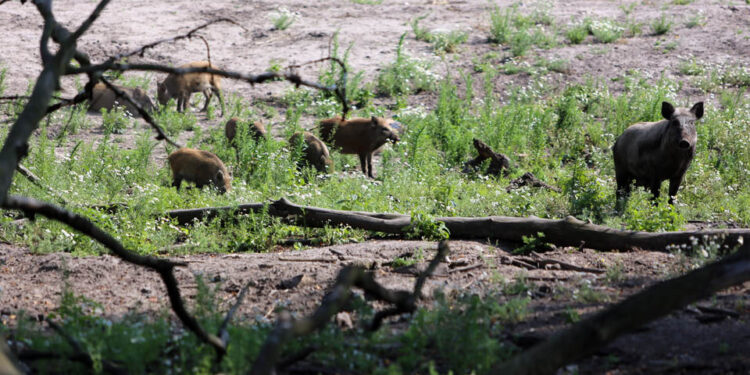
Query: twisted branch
(288, 328)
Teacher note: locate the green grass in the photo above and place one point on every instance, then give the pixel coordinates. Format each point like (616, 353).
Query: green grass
(521, 31)
(283, 18)
(442, 42)
(661, 25)
(418, 174)
(605, 31)
(462, 334)
(405, 75)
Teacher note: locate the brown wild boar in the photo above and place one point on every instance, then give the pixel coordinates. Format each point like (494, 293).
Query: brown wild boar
(183, 86)
(103, 97)
(361, 136)
(257, 130)
(651, 152)
(200, 167)
(315, 152)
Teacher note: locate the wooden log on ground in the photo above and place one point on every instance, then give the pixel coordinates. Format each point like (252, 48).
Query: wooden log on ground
(563, 232)
(655, 302)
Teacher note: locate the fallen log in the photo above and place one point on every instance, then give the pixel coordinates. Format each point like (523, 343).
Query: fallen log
(593, 333)
(562, 232)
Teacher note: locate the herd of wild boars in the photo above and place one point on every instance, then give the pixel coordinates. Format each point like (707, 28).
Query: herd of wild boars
(651, 152)
(647, 153)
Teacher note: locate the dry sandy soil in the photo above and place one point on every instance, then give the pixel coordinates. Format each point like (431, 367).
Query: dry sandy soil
(686, 341)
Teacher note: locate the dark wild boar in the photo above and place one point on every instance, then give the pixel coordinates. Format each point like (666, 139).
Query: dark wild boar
(103, 97)
(257, 130)
(314, 153)
(361, 136)
(199, 167)
(651, 152)
(183, 86)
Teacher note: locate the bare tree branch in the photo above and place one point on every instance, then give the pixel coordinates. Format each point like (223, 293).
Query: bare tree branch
(593, 333)
(163, 267)
(140, 51)
(288, 328)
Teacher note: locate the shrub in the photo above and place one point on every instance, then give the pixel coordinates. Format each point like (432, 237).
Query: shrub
(661, 25)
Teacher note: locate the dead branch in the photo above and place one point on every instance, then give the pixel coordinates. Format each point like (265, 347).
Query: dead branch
(499, 163)
(223, 334)
(161, 135)
(563, 232)
(31, 207)
(528, 179)
(408, 303)
(142, 50)
(288, 328)
(543, 262)
(593, 333)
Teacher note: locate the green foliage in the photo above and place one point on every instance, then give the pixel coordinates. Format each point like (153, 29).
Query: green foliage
(3, 74)
(588, 197)
(447, 42)
(642, 215)
(406, 75)
(283, 18)
(357, 91)
(695, 20)
(605, 31)
(577, 33)
(459, 333)
(426, 227)
(661, 25)
(533, 244)
(520, 31)
(115, 121)
(681, 2)
(690, 68)
(442, 42)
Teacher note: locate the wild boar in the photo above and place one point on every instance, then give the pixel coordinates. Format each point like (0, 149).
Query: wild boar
(200, 167)
(103, 97)
(257, 130)
(315, 152)
(651, 152)
(361, 136)
(183, 86)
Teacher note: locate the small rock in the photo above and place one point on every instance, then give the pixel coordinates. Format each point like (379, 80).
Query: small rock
(344, 320)
(293, 282)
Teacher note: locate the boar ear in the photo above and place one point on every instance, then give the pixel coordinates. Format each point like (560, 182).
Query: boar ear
(374, 120)
(697, 110)
(667, 110)
(220, 176)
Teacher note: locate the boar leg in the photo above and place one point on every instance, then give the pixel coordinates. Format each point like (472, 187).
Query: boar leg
(624, 181)
(655, 190)
(369, 166)
(221, 100)
(363, 163)
(207, 93)
(177, 181)
(674, 185)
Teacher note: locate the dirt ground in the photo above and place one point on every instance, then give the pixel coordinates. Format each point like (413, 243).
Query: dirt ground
(688, 341)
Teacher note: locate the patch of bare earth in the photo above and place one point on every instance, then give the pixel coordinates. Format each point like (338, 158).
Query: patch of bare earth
(710, 337)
